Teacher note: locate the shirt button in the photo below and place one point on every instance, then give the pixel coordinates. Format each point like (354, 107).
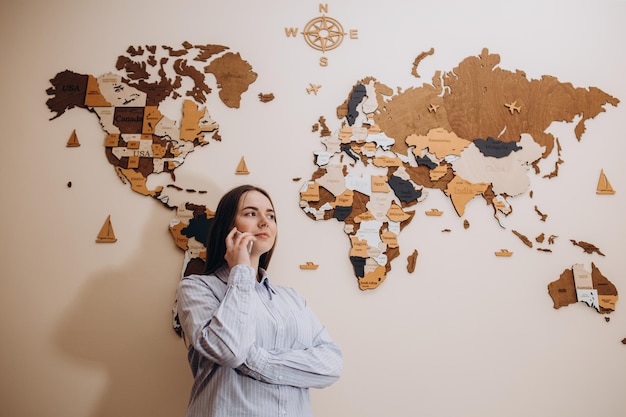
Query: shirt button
(280, 378)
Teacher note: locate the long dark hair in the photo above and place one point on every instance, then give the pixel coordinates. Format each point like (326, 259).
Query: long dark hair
(223, 223)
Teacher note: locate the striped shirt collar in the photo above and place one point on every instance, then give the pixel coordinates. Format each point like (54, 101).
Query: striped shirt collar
(223, 272)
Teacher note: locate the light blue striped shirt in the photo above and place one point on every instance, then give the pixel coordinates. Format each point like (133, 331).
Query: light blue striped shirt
(255, 349)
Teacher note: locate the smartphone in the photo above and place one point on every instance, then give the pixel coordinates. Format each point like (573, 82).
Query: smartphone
(249, 244)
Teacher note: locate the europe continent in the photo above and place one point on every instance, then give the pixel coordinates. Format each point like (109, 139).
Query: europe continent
(476, 131)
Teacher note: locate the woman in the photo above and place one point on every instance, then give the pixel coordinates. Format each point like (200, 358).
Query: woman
(255, 348)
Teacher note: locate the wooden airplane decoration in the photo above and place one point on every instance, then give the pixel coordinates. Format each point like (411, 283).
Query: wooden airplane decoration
(513, 107)
(313, 89)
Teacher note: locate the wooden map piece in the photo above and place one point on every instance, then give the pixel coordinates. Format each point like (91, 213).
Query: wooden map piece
(112, 140)
(523, 238)
(587, 247)
(311, 193)
(439, 141)
(390, 239)
(133, 162)
(325, 131)
(562, 291)
(604, 186)
(410, 261)
(396, 214)
(229, 67)
(106, 234)
(461, 192)
(504, 252)
(419, 59)
(242, 168)
(542, 216)
(309, 265)
(606, 293)
(73, 142)
(379, 184)
(333, 181)
(434, 212)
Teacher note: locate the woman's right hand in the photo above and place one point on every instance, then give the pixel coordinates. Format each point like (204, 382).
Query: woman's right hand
(237, 244)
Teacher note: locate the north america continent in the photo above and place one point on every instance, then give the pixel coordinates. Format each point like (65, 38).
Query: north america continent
(140, 139)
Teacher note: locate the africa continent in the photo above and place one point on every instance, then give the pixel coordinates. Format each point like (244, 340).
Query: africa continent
(477, 130)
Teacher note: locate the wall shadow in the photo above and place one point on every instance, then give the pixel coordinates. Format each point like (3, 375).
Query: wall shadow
(121, 319)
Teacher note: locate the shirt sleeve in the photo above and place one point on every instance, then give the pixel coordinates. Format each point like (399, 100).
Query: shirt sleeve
(317, 366)
(218, 324)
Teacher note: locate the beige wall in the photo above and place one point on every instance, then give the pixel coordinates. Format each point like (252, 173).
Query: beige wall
(85, 327)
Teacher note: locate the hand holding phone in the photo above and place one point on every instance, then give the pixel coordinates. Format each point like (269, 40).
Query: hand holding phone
(249, 244)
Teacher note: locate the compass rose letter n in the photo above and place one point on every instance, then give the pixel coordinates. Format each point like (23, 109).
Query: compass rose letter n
(322, 33)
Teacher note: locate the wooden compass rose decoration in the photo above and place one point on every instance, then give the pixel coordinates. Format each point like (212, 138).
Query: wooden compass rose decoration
(323, 33)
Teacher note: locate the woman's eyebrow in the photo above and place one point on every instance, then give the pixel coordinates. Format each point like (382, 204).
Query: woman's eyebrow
(269, 210)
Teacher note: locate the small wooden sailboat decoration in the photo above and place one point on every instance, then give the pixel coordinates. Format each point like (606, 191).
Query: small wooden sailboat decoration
(242, 168)
(309, 265)
(604, 186)
(434, 212)
(73, 142)
(106, 234)
(504, 252)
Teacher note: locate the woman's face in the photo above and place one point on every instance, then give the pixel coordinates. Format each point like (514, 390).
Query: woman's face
(255, 215)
